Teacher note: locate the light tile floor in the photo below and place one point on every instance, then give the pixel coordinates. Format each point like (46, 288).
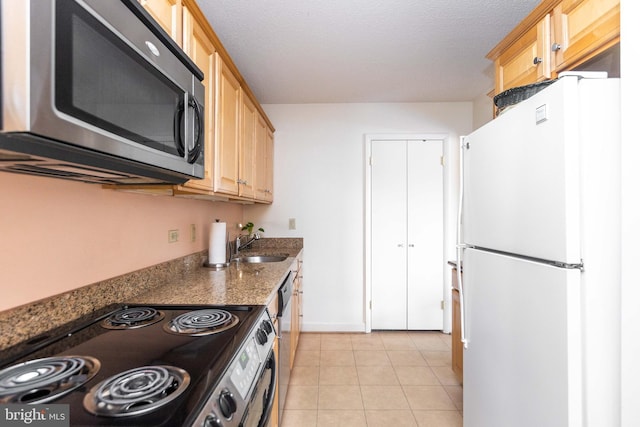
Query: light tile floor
(367, 380)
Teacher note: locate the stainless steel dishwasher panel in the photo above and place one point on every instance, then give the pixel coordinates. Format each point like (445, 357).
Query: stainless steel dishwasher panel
(284, 332)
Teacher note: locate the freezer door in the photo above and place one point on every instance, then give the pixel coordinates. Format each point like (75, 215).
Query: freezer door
(522, 178)
(522, 365)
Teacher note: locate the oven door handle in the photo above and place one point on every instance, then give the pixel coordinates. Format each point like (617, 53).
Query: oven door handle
(266, 415)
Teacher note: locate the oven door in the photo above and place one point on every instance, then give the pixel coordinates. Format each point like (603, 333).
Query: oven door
(258, 412)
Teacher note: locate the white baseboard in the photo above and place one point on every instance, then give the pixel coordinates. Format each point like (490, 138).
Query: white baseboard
(333, 327)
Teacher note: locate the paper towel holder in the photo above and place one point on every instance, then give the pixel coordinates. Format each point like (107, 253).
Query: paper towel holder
(220, 266)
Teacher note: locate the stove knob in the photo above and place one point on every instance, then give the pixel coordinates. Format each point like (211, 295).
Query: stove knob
(261, 336)
(267, 326)
(212, 421)
(227, 404)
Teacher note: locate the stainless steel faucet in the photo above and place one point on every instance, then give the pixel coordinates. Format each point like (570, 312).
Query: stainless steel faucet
(240, 246)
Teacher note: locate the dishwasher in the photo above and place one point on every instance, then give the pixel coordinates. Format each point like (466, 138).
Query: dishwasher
(284, 332)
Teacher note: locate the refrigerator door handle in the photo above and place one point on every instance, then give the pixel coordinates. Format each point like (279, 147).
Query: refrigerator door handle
(460, 243)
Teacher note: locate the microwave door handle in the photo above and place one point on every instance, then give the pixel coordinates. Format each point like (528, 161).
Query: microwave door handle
(178, 116)
(198, 134)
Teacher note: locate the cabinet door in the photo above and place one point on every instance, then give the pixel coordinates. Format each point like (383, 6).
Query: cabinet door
(247, 153)
(300, 288)
(264, 161)
(167, 13)
(527, 60)
(268, 188)
(456, 330)
(261, 158)
(200, 49)
(584, 28)
(294, 327)
(227, 130)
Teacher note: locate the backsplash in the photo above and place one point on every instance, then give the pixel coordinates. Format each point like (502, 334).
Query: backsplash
(284, 243)
(25, 322)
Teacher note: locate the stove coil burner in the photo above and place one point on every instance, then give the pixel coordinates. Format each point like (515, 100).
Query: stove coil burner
(136, 391)
(201, 322)
(131, 318)
(43, 380)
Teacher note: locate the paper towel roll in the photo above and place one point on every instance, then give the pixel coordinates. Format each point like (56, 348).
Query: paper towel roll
(218, 243)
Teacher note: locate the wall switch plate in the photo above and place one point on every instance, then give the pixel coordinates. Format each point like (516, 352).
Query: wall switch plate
(193, 232)
(173, 236)
(292, 223)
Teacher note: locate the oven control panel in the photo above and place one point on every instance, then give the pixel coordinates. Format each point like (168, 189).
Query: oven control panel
(228, 403)
(245, 368)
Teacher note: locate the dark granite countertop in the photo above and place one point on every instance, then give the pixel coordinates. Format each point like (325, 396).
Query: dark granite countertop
(184, 281)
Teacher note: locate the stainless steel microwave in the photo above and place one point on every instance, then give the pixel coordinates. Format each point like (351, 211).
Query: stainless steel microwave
(96, 91)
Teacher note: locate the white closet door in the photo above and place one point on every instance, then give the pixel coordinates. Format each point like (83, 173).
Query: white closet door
(425, 236)
(406, 235)
(388, 235)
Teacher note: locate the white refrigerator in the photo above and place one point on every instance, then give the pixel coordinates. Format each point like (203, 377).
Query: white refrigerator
(539, 253)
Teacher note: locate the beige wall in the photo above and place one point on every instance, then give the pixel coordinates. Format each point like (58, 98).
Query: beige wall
(482, 110)
(58, 235)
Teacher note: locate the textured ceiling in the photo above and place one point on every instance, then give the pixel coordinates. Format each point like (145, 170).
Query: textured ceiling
(318, 51)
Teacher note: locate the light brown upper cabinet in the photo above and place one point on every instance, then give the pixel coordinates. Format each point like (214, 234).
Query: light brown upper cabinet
(527, 60)
(582, 29)
(167, 13)
(236, 127)
(228, 101)
(264, 161)
(558, 35)
(201, 51)
(268, 166)
(247, 155)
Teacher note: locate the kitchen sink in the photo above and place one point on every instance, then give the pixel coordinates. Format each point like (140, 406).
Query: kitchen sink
(260, 258)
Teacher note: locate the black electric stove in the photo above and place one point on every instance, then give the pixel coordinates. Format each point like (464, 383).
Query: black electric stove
(145, 366)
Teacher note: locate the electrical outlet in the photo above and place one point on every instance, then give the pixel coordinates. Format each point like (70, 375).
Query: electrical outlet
(193, 232)
(173, 236)
(292, 223)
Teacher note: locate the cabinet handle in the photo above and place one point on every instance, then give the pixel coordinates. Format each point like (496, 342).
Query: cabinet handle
(537, 60)
(556, 47)
(400, 245)
(411, 245)
(241, 181)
